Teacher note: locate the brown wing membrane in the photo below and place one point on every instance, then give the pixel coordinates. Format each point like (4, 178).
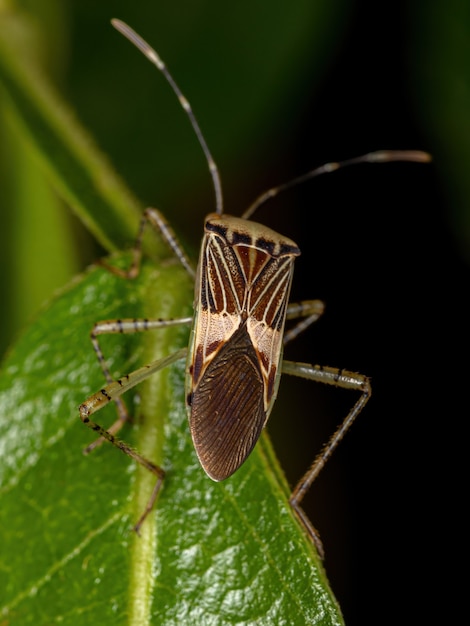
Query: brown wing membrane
(227, 410)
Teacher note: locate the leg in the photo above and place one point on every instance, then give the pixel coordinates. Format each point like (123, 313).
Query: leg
(308, 310)
(112, 392)
(337, 378)
(114, 389)
(124, 326)
(159, 224)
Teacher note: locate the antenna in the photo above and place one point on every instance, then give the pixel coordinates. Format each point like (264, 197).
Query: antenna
(381, 156)
(153, 57)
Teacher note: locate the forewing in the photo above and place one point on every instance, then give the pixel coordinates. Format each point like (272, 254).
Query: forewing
(267, 311)
(227, 410)
(219, 305)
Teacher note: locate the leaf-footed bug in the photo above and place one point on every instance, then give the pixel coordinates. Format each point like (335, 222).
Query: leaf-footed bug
(234, 360)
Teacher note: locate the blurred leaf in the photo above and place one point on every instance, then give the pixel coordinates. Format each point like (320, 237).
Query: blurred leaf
(79, 172)
(214, 553)
(441, 62)
(36, 216)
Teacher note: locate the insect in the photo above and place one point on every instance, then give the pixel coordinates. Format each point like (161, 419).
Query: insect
(235, 357)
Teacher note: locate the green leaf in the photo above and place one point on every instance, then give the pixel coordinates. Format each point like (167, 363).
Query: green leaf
(212, 553)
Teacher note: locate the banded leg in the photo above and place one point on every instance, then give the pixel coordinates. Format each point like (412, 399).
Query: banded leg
(124, 326)
(114, 389)
(155, 219)
(337, 378)
(112, 392)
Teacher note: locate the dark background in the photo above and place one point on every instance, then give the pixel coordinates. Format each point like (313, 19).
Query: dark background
(384, 246)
